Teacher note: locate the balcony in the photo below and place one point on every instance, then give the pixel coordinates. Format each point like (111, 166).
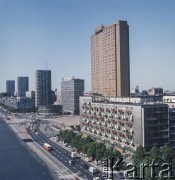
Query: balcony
(131, 117)
(109, 135)
(116, 115)
(123, 117)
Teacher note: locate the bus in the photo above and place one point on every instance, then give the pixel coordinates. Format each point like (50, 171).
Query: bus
(47, 147)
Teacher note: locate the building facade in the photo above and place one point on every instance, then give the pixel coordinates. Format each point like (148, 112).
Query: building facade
(30, 94)
(110, 68)
(155, 91)
(20, 104)
(43, 88)
(71, 90)
(23, 86)
(10, 87)
(125, 125)
(58, 95)
(172, 127)
(50, 110)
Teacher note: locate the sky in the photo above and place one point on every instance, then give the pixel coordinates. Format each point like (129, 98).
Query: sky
(58, 31)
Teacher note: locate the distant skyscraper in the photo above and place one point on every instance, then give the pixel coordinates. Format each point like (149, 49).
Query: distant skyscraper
(23, 86)
(43, 88)
(10, 87)
(71, 90)
(110, 69)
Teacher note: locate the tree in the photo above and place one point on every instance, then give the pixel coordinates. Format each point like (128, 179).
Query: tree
(76, 141)
(91, 151)
(155, 154)
(138, 155)
(111, 153)
(167, 154)
(100, 150)
(66, 135)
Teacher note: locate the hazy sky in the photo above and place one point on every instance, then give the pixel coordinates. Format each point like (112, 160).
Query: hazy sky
(58, 31)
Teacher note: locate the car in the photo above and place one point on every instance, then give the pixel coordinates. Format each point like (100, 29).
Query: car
(72, 161)
(88, 159)
(84, 165)
(96, 178)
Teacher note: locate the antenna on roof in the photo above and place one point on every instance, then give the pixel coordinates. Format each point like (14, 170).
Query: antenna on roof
(46, 65)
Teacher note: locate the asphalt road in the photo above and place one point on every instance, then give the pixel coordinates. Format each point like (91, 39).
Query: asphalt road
(64, 156)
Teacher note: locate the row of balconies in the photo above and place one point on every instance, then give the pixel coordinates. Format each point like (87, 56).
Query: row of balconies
(106, 113)
(106, 109)
(94, 115)
(107, 125)
(123, 128)
(101, 109)
(117, 130)
(120, 139)
(106, 119)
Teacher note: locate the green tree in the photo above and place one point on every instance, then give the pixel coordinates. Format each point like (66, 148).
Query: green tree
(111, 153)
(155, 154)
(76, 141)
(138, 158)
(91, 151)
(66, 136)
(100, 151)
(138, 155)
(167, 154)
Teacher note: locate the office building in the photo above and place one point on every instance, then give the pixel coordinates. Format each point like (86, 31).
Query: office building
(172, 127)
(50, 110)
(71, 90)
(125, 122)
(58, 97)
(155, 91)
(20, 104)
(10, 87)
(110, 69)
(30, 94)
(23, 86)
(43, 88)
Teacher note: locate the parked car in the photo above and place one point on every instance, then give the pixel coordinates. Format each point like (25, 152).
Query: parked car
(88, 159)
(96, 178)
(93, 170)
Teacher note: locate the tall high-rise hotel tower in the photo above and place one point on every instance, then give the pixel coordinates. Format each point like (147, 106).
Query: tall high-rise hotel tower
(110, 69)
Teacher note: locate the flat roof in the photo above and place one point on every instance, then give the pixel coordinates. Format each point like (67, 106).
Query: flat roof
(70, 120)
